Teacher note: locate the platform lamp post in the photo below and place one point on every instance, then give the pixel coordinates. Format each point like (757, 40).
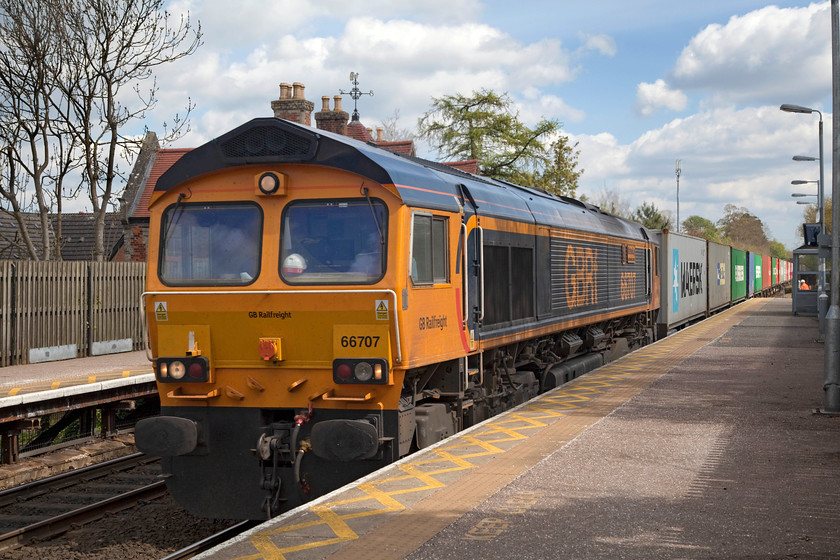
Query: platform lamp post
(822, 298)
(831, 364)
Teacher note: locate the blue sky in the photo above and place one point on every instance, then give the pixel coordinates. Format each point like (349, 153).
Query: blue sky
(637, 85)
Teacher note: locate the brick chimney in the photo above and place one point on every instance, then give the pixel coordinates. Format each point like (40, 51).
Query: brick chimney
(332, 121)
(292, 104)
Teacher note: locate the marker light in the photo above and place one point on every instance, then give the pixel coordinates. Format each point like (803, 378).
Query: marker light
(343, 371)
(190, 369)
(372, 371)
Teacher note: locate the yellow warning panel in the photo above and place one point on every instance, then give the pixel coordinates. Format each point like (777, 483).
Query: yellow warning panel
(382, 310)
(161, 313)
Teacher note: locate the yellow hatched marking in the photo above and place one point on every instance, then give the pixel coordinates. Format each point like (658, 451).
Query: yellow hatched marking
(55, 385)
(92, 379)
(553, 405)
(14, 391)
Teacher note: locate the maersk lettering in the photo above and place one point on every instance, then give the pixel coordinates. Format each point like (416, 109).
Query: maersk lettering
(691, 276)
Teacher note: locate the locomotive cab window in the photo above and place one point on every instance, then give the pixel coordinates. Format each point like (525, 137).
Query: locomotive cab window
(429, 250)
(210, 244)
(334, 242)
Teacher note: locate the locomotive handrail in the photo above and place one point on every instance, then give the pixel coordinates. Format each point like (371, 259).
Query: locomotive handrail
(145, 328)
(481, 268)
(328, 396)
(466, 303)
(175, 394)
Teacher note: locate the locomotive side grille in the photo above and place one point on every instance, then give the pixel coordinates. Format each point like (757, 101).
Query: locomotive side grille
(271, 143)
(616, 281)
(558, 277)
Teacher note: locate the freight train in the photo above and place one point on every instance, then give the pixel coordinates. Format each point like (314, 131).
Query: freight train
(317, 308)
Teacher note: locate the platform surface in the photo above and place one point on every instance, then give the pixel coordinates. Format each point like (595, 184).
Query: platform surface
(29, 379)
(703, 445)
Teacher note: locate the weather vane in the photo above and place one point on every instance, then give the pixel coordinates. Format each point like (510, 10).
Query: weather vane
(355, 93)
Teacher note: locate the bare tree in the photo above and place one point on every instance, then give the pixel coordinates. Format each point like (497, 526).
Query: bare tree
(114, 46)
(38, 153)
(612, 202)
(71, 73)
(393, 132)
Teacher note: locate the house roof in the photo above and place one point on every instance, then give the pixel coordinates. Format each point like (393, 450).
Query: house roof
(357, 131)
(467, 166)
(12, 246)
(163, 160)
(404, 147)
(77, 235)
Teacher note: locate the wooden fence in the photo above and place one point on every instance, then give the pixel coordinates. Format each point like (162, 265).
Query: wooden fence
(54, 308)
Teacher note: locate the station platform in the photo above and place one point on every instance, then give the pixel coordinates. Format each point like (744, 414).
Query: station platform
(703, 445)
(62, 374)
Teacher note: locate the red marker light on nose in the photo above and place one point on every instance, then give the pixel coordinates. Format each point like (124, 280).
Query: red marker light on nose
(343, 371)
(196, 371)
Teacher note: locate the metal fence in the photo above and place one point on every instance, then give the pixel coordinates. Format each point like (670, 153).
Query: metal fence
(59, 307)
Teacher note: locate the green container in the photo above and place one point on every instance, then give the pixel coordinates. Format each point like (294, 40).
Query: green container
(739, 274)
(774, 269)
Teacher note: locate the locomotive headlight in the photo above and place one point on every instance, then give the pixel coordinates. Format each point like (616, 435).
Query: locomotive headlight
(363, 372)
(270, 183)
(177, 370)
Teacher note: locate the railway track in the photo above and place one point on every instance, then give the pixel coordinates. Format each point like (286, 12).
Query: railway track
(211, 541)
(47, 508)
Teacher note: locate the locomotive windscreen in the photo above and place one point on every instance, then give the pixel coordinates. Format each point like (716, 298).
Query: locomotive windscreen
(334, 242)
(210, 244)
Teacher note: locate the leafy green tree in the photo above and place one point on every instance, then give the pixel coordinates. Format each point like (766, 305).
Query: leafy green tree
(484, 127)
(701, 227)
(651, 217)
(561, 174)
(778, 250)
(809, 215)
(744, 230)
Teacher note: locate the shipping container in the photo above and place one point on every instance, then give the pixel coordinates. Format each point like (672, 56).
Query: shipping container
(751, 272)
(719, 275)
(739, 275)
(684, 284)
(774, 271)
(766, 275)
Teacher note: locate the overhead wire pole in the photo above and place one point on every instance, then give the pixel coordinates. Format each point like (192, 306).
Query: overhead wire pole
(677, 171)
(831, 373)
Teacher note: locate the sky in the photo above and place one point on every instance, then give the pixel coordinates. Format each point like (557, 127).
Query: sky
(636, 85)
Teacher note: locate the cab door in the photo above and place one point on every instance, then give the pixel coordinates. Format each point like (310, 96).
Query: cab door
(472, 256)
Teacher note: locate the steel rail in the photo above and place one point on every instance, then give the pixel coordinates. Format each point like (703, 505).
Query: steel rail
(38, 487)
(211, 541)
(54, 526)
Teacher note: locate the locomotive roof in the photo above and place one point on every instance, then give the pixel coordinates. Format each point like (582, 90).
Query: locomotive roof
(420, 183)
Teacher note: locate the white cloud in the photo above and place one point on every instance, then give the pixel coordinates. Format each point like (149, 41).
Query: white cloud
(761, 56)
(728, 156)
(604, 44)
(405, 63)
(650, 97)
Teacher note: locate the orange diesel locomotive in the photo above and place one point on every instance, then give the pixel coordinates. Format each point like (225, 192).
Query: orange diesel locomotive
(318, 307)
